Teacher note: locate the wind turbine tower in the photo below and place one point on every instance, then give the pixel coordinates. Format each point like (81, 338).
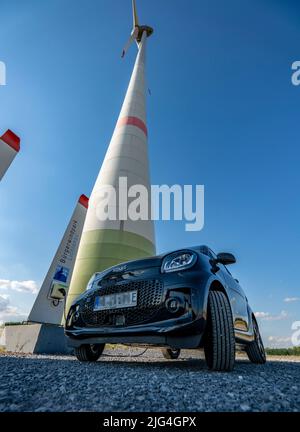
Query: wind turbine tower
(108, 242)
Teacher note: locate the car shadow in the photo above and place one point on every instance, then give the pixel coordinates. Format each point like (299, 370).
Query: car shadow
(191, 364)
(146, 362)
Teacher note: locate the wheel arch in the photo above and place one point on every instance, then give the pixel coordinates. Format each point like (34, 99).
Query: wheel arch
(216, 285)
(254, 319)
(253, 316)
(213, 285)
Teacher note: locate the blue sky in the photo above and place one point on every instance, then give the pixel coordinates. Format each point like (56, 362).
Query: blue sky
(222, 113)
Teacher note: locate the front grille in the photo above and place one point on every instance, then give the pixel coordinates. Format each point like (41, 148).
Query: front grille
(149, 304)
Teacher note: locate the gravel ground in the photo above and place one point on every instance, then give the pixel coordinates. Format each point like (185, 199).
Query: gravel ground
(145, 383)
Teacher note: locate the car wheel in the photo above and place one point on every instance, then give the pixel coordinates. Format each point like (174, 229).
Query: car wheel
(256, 350)
(219, 344)
(89, 353)
(171, 354)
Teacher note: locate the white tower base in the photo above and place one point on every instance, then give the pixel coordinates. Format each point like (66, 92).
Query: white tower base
(35, 339)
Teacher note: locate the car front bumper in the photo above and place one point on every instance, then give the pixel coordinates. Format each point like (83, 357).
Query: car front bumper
(184, 330)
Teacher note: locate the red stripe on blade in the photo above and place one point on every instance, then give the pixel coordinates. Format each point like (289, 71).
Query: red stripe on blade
(11, 139)
(133, 121)
(83, 200)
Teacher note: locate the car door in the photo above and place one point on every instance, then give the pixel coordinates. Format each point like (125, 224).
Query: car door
(238, 301)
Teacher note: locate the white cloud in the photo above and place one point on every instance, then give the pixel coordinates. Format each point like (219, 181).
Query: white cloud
(4, 301)
(261, 314)
(291, 299)
(279, 341)
(9, 312)
(266, 316)
(28, 286)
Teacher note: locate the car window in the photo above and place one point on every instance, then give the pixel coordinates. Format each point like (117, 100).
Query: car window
(205, 250)
(227, 270)
(212, 254)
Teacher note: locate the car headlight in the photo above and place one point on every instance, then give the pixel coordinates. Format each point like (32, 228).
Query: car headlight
(178, 261)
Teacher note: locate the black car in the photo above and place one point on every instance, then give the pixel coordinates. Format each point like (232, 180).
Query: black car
(181, 300)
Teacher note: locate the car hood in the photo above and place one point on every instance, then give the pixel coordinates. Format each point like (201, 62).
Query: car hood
(144, 263)
(129, 266)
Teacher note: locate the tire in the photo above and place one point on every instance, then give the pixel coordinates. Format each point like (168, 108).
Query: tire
(219, 343)
(170, 354)
(89, 353)
(255, 350)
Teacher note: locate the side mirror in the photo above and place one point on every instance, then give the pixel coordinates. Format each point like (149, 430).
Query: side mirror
(225, 258)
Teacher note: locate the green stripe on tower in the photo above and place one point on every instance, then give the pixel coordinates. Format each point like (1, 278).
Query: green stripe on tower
(107, 242)
(100, 249)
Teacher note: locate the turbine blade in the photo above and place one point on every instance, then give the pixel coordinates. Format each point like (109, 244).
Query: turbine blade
(132, 38)
(135, 16)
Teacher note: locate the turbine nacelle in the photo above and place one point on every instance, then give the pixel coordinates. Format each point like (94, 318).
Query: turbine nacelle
(147, 29)
(137, 31)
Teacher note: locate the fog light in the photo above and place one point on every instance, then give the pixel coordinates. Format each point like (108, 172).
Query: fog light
(173, 304)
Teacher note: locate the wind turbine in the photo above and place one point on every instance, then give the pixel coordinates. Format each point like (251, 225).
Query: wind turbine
(48, 307)
(9, 148)
(110, 242)
(137, 30)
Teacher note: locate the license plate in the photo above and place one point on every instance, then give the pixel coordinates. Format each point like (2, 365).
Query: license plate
(116, 301)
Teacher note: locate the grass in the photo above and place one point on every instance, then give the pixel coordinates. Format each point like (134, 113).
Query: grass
(295, 351)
